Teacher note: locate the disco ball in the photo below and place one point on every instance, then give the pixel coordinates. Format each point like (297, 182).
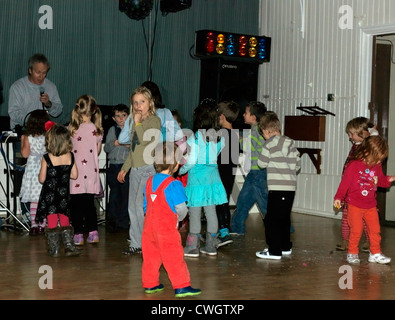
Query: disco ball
(136, 9)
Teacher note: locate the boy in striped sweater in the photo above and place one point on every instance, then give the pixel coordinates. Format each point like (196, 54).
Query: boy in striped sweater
(282, 161)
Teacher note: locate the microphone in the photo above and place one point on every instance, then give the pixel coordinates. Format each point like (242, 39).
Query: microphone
(42, 90)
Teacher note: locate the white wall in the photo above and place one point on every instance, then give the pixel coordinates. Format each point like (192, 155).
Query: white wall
(312, 56)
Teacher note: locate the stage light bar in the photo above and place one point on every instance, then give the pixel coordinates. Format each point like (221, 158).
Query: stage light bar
(217, 44)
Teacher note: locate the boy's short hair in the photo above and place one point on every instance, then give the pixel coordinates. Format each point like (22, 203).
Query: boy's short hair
(230, 109)
(166, 157)
(120, 108)
(257, 109)
(270, 122)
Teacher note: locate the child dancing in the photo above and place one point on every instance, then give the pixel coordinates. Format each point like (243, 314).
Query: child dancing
(204, 187)
(57, 168)
(357, 129)
(33, 148)
(358, 187)
(87, 135)
(145, 137)
(164, 206)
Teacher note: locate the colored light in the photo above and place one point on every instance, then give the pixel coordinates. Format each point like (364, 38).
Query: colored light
(243, 51)
(211, 44)
(210, 47)
(252, 52)
(231, 39)
(262, 53)
(210, 36)
(243, 41)
(220, 48)
(230, 49)
(253, 42)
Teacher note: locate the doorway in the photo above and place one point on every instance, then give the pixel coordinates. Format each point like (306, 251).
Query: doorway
(368, 43)
(379, 105)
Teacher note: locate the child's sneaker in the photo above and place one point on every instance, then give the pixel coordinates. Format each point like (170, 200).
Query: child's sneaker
(158, 288)
(187, 291)
(93, 237)
(264, 254)
(353, 258)
(192, 245)
(379, 258)
(78, 239)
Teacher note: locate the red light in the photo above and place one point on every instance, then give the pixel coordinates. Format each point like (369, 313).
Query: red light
(212, 44)
(210, 47)
(243, 40)
(243, 51)
(210, 36)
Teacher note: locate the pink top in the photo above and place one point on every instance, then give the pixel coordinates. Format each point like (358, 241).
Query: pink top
(85, 144)
(358, 186)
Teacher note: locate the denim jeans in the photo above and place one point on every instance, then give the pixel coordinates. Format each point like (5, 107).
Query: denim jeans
(254, 190)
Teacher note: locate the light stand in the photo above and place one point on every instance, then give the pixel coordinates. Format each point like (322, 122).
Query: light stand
(14, 216)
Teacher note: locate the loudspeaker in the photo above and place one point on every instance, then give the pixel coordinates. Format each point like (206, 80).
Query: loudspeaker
(167, 6)
(224, 80)
(106, 118)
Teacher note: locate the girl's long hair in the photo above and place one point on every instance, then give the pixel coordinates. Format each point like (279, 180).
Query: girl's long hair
(86, 105)
(372, 150)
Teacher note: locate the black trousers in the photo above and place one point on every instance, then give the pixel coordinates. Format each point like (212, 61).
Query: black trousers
(83, 212)
(278, 221)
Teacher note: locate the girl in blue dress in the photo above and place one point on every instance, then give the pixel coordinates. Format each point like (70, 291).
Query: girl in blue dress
(204, 188)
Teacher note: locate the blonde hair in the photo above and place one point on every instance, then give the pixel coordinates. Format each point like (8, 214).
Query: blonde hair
(148, 95)
(270, 122)
(58, 140)
(360, 126)
(86, 105)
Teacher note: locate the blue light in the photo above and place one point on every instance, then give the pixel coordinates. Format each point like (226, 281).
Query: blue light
(262, 43)
(262, 53)
(231, 39)
(230, 50)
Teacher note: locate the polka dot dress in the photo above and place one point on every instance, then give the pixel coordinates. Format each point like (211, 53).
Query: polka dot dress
(31, 187)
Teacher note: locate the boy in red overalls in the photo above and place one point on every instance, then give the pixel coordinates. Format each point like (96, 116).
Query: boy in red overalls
(164, 206)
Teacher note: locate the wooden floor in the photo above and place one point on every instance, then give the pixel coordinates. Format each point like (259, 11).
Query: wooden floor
(102, 272)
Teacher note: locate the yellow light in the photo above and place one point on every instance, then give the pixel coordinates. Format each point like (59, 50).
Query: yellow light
(253, 42)
(220, 48)
(252, 52)
(220, 38)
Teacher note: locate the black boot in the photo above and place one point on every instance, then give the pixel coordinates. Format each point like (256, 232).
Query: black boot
(68, 242)
(53, 239)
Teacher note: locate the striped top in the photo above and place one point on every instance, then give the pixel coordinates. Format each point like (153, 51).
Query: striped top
(282, 161)
(252, 147)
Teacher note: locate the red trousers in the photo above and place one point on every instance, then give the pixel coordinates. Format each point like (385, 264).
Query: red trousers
(356, 218)
(161, 242)
(346, 227)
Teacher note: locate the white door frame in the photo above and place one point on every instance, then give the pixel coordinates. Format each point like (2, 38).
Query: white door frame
(365, 89)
